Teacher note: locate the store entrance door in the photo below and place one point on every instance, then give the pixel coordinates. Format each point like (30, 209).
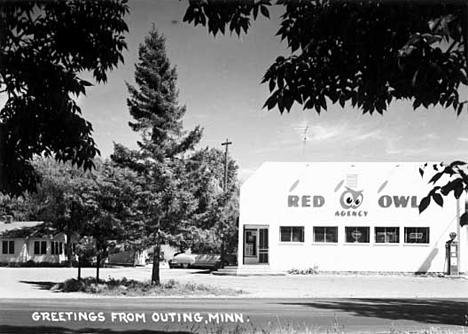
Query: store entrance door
(256, 245)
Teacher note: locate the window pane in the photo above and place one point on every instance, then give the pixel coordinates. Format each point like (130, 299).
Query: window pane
(417, 235)
(325, 234)
(285, 232)
(12, 247)
(250, 243)
(36, 247)
(43, 247)
(331, 234)
(319, 234)
(298, 234)
(389, 235)
(5, 247)
(357, 234)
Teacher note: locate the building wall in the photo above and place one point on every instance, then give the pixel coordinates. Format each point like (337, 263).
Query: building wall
(308, 195)
(20, 254)
(48, 257)
(24, 250)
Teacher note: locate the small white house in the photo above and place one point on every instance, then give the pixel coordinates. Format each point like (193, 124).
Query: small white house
(345, 217)
(30, 241)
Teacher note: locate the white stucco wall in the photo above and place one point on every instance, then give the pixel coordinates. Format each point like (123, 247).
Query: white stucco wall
(24, 250)
(390, 191)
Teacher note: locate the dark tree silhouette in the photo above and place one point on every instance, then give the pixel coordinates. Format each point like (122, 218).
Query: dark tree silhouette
(44, 46)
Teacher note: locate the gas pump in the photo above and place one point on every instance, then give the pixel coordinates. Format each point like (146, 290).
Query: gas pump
(451, 253)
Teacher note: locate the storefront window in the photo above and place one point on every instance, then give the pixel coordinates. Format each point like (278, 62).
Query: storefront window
(325, 234)
(357, 234)
(292, 233)
(416, 235)
(387, 235)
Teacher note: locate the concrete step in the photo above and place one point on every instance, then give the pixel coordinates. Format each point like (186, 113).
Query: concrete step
(253, 270)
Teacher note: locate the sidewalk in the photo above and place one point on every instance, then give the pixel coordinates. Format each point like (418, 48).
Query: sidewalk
(34, 283)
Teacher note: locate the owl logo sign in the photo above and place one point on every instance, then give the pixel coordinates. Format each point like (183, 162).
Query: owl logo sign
(350, 201)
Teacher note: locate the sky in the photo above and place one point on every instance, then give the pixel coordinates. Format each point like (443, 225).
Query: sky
(219, 82)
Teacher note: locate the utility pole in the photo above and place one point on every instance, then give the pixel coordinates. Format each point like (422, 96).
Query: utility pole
(226, 143)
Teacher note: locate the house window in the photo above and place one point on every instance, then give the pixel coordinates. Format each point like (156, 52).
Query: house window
(387, 235)
(8, 247)
(292, 233)
(56, 248)
(357, 234)
(40, 247)
(416, 235)
(325, 234)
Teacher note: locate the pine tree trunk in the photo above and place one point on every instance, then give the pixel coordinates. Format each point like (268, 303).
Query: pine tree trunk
(155, 277)
(98, 258)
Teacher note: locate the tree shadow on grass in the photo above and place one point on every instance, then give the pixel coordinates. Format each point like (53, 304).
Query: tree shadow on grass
(428, 311)
(63, 330)
(42, 285)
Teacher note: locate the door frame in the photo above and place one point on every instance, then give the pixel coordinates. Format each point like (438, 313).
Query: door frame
(255, 259)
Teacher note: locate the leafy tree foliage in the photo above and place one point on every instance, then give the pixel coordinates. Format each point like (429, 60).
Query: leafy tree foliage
(45, 45)
(20, 208)
(366, 52)
(95, 208)
(206, 171)
(215, 218)
(61, 200)
(112, 203)
(157, 115)
(455, 177)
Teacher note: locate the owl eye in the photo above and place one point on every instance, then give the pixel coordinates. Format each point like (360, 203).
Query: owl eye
(358, 200)
(348, 199)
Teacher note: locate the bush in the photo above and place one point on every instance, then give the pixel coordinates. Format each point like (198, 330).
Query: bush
(309, 271)
(125, 286)
(171, 284)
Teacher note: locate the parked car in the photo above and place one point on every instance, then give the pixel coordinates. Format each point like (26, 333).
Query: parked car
(211, 261)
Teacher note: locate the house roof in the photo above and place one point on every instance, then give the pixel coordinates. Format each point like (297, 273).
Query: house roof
(14, 225)
(21, 229)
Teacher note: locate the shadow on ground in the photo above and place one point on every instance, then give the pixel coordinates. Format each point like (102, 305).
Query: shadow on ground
(434, 311)
(62, 330)
(40, 284)
(203, 271)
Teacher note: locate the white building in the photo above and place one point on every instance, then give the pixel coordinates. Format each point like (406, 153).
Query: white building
(345, 217)
(30, 241)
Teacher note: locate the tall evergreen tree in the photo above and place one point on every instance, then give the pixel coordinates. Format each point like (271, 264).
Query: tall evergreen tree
(154, 103)
(154, 106)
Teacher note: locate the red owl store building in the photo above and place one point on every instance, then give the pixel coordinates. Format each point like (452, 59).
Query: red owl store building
(345, 217)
